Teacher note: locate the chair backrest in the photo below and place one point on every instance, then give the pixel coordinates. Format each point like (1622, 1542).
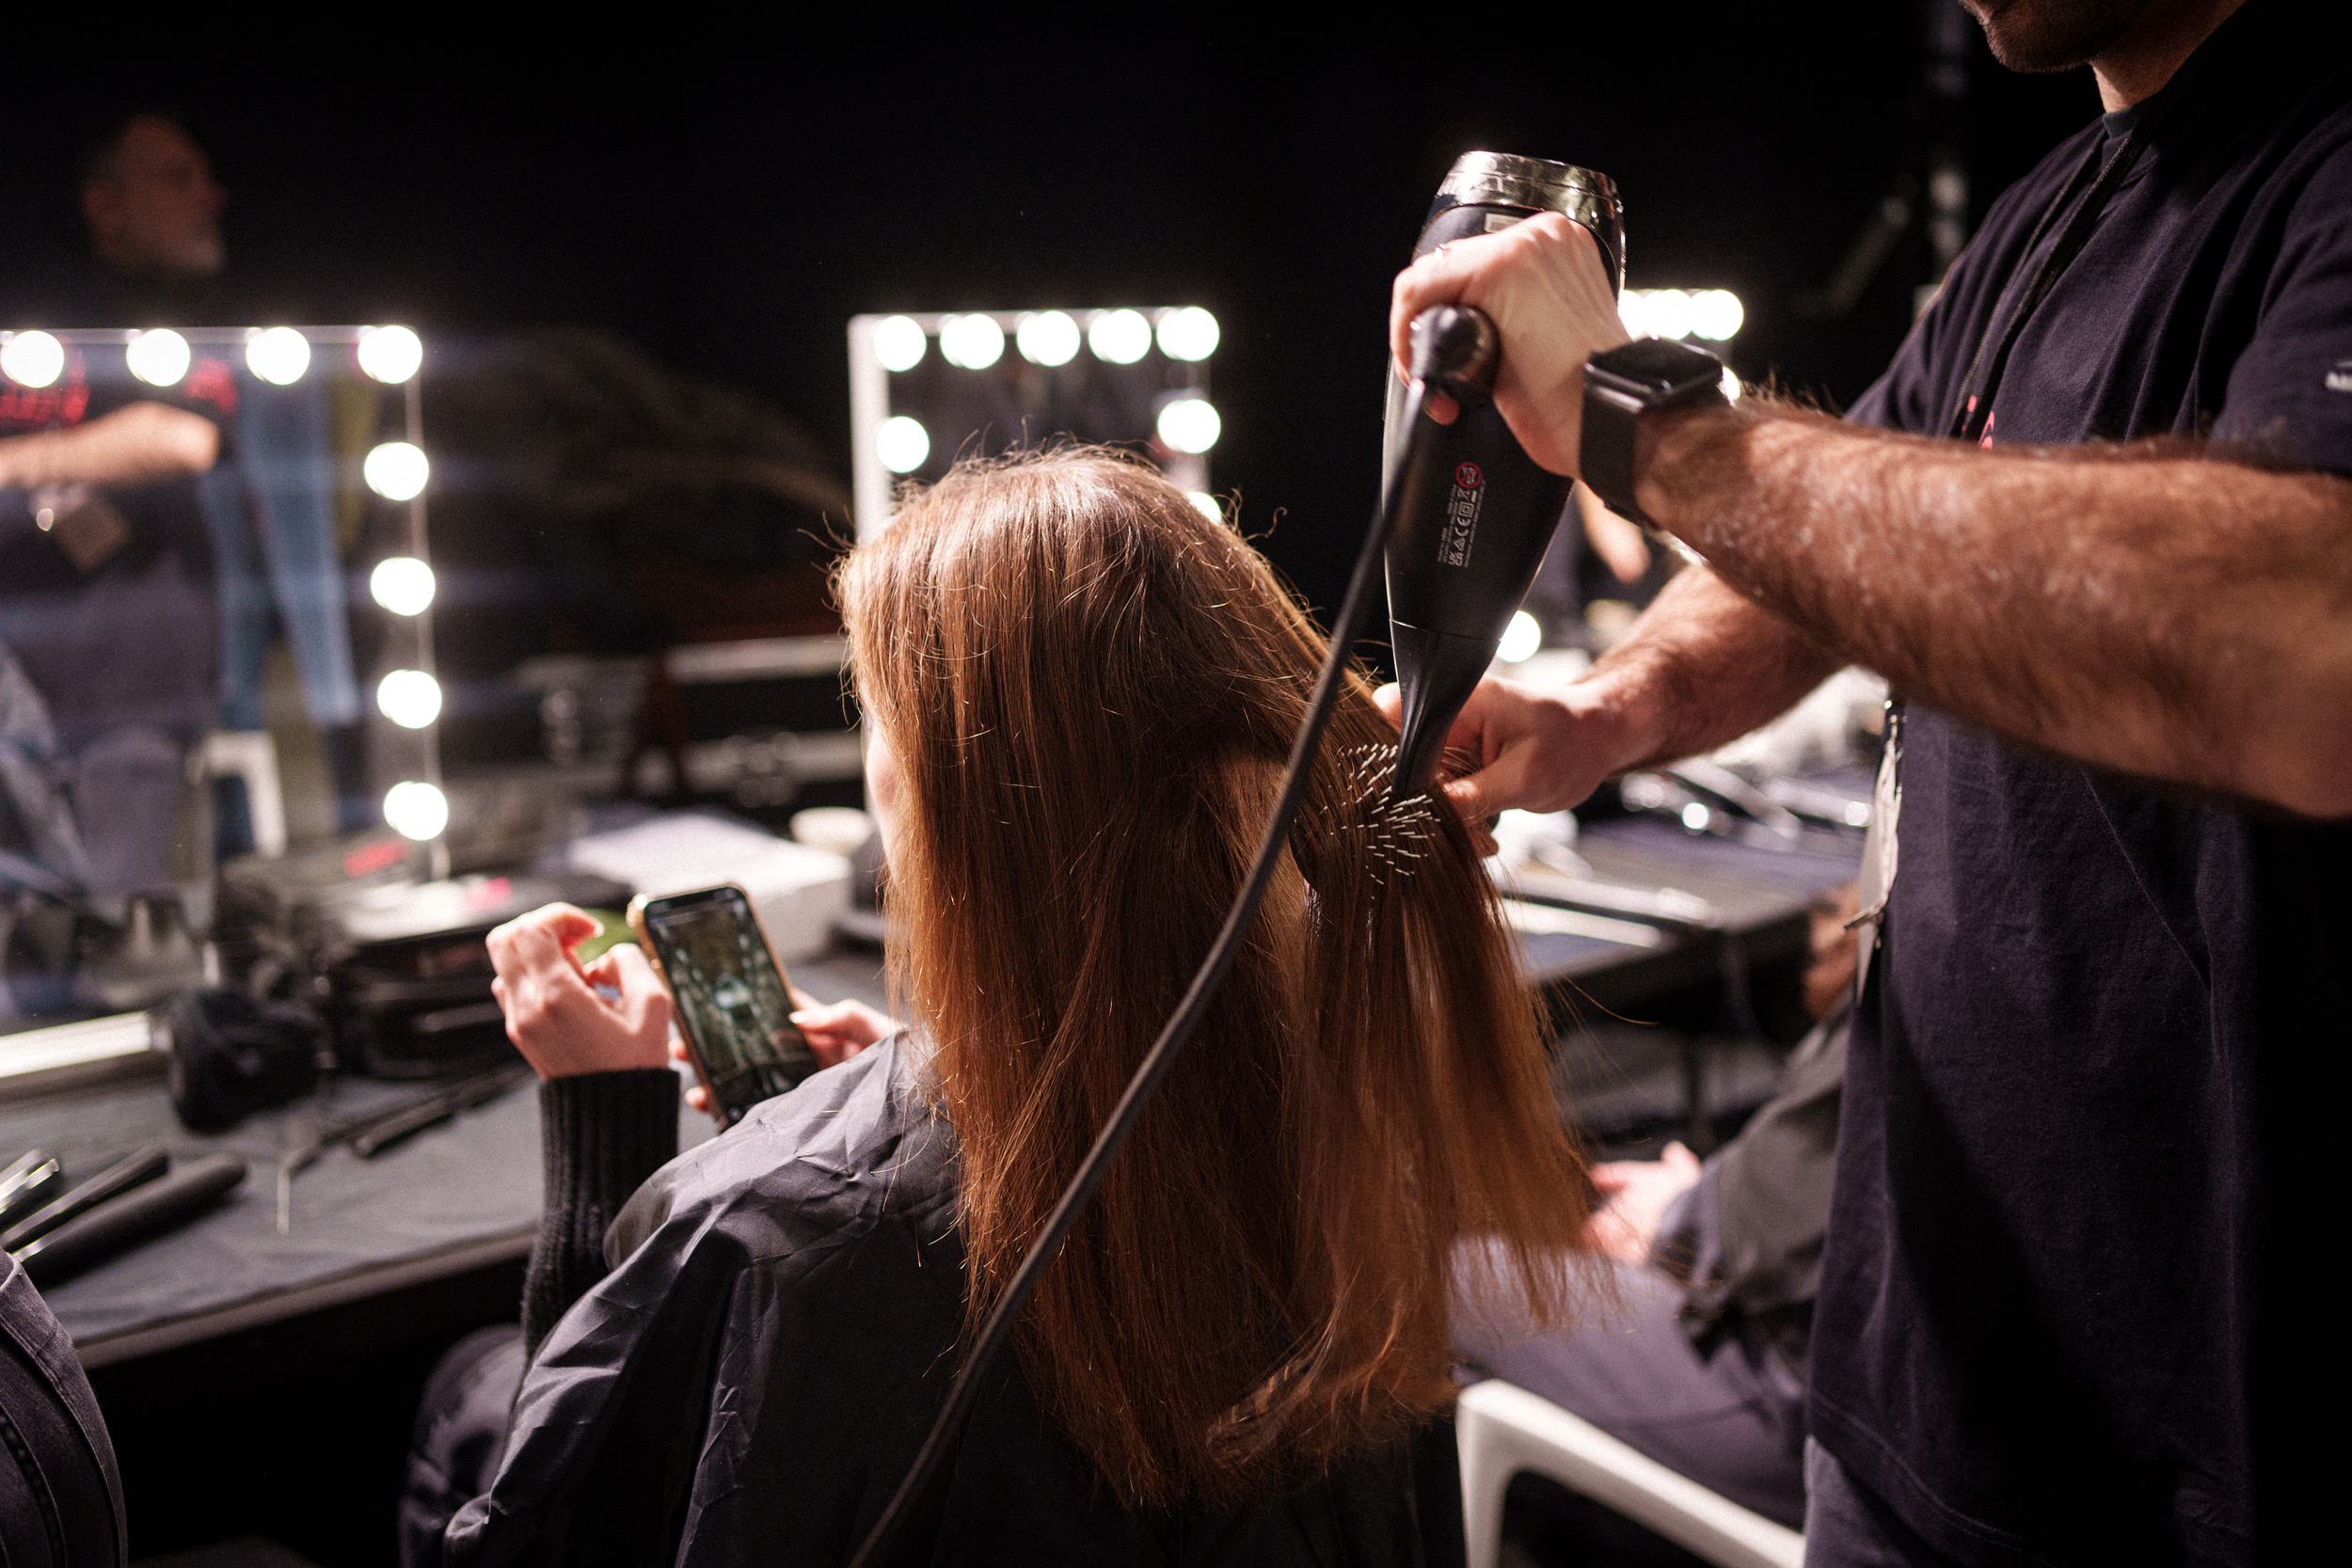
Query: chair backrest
(60, 1495)
(1503, 1429)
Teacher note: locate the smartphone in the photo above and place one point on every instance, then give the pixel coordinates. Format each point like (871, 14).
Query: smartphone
(734, 1005)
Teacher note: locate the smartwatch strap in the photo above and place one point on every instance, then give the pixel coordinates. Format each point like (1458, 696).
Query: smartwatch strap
(1605, 451)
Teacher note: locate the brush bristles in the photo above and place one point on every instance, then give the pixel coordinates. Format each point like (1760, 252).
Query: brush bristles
(1394, 833)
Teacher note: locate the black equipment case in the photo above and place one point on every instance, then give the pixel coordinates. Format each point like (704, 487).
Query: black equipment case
(399, 966)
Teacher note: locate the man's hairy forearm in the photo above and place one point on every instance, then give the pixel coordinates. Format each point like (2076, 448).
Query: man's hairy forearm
(142, 441)
(1702, 668)
(2161, 613)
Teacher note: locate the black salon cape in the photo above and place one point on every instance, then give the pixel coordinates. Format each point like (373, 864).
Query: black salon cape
(2068, 1314)
(753, 1379)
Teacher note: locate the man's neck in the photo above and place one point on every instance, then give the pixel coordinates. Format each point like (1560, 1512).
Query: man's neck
(2137, 66)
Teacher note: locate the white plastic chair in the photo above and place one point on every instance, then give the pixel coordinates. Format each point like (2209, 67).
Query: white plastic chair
(1503, 1429)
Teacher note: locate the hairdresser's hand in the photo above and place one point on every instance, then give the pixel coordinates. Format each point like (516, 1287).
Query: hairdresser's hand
(1543, 284)
(1530, 748)
(836, 1032)
(1636, 1195)
(566, 1017)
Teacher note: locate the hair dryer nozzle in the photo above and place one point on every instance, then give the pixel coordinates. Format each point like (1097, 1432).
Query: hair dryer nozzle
(1438, 672)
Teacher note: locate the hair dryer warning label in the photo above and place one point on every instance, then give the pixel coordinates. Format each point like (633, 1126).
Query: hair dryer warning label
(1461, 516)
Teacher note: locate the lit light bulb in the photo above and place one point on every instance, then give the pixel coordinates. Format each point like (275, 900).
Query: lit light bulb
(1716, 314)
(1667, 312)
(391, 354)
(1190, 425)
(1731, 385)
(1520, 639)
(899, 343)
(410, 698)
(278, 355)
(1189, 333)
(1120, 337)
(1696, 817)
(902, 443)
(1207, 503)
(160, 357)
(974, 341)
(1632, 310)
(32, 359)
(416, 809)
(1049, 338)
(396, 472)
(402, 584)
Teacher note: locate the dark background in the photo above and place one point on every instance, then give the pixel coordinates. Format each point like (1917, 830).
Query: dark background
(728, 200)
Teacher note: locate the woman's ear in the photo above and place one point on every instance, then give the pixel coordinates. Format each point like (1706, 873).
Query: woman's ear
(886, 788)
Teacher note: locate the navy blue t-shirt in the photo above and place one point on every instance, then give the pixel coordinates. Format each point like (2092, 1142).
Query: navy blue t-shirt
(2061, 1317)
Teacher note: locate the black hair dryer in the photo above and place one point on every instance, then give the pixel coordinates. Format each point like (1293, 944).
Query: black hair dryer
(1473, 513)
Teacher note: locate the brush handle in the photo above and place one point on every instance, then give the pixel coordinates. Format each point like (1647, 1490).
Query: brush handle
(130, 1217)
(130, 1171)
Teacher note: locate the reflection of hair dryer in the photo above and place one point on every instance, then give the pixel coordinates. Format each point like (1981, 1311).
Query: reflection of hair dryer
(1474, 513)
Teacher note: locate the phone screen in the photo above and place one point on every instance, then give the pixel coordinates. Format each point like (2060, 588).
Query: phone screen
(733, 1004)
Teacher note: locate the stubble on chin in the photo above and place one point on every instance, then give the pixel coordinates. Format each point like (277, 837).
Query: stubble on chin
(2041, 35)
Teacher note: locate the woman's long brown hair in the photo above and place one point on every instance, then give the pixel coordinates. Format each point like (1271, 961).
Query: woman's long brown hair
(1089, 688)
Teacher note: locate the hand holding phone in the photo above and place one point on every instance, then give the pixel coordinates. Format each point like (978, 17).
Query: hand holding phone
(734, 1005)
(835, 1031)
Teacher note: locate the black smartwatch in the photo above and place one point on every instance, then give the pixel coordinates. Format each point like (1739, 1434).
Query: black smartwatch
(1625, 382)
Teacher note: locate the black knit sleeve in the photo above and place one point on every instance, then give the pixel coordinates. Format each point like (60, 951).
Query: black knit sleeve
(600, 1135)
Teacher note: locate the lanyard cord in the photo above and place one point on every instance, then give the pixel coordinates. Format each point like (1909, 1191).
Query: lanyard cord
(2024, 295)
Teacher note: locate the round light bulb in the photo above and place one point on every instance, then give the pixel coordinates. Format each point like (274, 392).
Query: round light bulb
(902, 443)
(1632, 310)
(1716, 314)
(1188, 334)
(416, 809)
(410, 698)
(32, 359)
(396, 472)
(1520, 639)
(160, 357)
(972, 341)
(1207, 503)
(1049, 338)
(1190, 425)
(391, 354)
(1696, 817)
(1668, 313)
(1120, 337)
(278, 355)
(1731, 385)
(899, 343)
(402, 584)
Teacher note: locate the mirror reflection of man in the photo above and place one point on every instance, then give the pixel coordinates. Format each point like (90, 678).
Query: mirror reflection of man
(107, 601)
(152, 206)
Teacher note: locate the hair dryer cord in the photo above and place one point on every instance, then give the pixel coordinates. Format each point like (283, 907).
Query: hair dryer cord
(1456, 352)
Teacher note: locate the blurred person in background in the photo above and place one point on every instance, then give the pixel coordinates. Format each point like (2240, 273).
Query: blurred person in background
(1701, 1362)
